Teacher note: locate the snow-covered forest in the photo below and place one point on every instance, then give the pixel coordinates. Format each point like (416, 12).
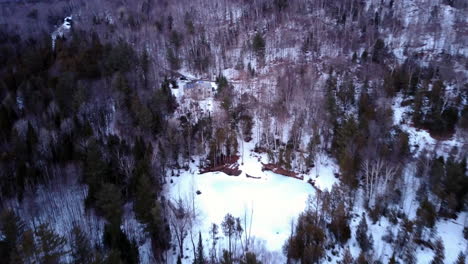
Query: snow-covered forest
(234, 131)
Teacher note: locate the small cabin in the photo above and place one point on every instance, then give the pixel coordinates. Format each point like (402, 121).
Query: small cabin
(199, 90)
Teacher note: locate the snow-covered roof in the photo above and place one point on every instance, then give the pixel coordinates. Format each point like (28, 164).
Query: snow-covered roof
(62, 30)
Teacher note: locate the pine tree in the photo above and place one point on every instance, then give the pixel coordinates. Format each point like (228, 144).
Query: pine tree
(339, 225)
(122, 250)
(200, 256)
(158, 228)
(81, 247)
(173, 59)
(113, 257)
(7, 117)
(250, 258)
(144, 200)
(50, 244)
(121, 85)
(64, 88)
(258, 45)
(109, 201)
(408, 254)
(12, 229)
(331, 104)
(378, 51)
(404, 235)
(347, 257)
(31, 138)
(95, 169)
(362, 259)
(307, 244)
(364, 55)
(439, 254)
(460, 258)
(227, 259)
(361, 235)
(145, 62)
(418, 115)
(392, 260)
(427, 213)
(354, 58)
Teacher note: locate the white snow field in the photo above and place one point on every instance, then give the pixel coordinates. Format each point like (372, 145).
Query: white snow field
(270, 203)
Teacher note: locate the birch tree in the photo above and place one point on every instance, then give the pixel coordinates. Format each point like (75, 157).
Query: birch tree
(377, 176)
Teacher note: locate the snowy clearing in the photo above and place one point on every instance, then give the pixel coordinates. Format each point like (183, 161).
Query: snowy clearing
(272, 202)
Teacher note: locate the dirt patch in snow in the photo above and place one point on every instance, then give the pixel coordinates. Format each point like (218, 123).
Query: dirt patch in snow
(229, 166)
(278, 170)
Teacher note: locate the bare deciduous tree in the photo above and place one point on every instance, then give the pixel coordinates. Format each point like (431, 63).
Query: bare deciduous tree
(180, 218)
(377, 175)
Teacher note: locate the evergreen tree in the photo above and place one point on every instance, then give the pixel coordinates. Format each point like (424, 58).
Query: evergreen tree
(426, 213)
(144, 200)
(28, 248)
(354, 58)
(31, 139)
(331, 104)
(439, 254)
(418, 107)
(362, 259)
(50, 244)
(408, 254)
(250, 258)
(339, 224)
(281, 4)
(364, 56)
(227, 259)
(145, 63)
(362, 238)
(173, 59)
(7, 117)
(347, 257)
(159, 228)
(81, 249)
(121, 85)
(200, 255)
(460, 258)
(463, 122)
(64, 89)
(109, 202)
(95, 170)
(122, 250)
(12, 229)
(307, 242)
(258, 45)
(346, 136)
(119, 58)
(113, 257)
(378, 51)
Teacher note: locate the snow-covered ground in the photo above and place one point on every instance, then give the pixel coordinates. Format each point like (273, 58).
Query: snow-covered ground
(449, 230)
(420, 139)
(272, 202)
(198, 108)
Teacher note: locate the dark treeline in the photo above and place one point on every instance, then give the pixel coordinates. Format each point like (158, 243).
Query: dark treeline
(56, 109)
